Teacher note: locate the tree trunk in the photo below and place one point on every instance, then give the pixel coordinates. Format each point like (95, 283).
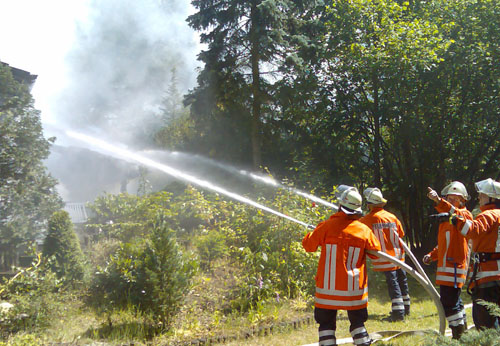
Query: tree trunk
(376, 128)
(256, 102)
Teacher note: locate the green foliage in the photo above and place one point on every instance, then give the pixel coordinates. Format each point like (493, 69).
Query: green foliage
(471, 338)
(63, 247)
(492, 308)
(27, 192)
(266, 247)
(125, 216)
(124, 326)
(483, 338)
(249, 45)
(23, 340)
(193, 211)
(152, 275)
(36, 296)
(178, 129)
(276, 265)
(390, 99)
(210, 246)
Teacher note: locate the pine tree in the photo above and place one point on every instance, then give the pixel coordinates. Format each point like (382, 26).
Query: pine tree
(248, 43)
(61, 249)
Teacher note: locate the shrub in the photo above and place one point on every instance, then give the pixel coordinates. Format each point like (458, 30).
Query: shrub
(152, 275)
(22, 340)
(125, 217)
(274, 260)
(63, 246)
(210, 246)
(485, 337)
(34, 294)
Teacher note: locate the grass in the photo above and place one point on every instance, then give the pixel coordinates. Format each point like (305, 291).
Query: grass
(424, 316)
(205, 315)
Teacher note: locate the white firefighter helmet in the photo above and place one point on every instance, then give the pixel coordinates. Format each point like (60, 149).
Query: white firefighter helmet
(373, 195)
(489, 187)
(455, 188)
(349, 197)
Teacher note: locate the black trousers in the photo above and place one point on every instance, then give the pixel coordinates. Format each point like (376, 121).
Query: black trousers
(489, 292)
(452, 304)
(397, 285)
(327, 320)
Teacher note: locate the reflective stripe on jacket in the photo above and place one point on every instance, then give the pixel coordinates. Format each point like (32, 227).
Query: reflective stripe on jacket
(452, 249)
(341, 279)
(387, 228)
(485, 238)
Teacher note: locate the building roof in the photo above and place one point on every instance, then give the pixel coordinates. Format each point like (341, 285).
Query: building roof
(22, 76)
(77, 212)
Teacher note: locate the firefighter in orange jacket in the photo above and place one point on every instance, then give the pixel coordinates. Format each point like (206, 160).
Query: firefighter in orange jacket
(388, 230)
(484, 232)
(341, 280)
(451, 253)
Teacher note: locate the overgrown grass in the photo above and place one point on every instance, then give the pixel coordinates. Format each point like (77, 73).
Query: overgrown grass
(208, 313)
(79, 325)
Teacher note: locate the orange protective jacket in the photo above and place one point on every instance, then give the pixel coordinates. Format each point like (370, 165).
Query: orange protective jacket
(387, 228)
(485, 238)
(452, 249)
(341, 279)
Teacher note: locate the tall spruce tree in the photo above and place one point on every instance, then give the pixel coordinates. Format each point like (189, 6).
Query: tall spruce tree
(248, 43)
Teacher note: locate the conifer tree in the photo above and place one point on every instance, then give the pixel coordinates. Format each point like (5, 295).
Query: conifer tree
(61, 248)
(249, 42)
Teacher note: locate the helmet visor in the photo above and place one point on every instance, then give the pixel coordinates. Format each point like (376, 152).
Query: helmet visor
(341, 189)
(489, 187)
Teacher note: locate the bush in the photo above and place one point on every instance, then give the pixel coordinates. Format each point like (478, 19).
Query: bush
(124, 217)
(23, 340)
(485, 337)
(63, 246)
(35, 296)
(211, 246)
(275, 263)
(151, 275)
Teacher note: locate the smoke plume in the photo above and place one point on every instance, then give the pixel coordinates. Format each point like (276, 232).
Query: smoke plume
(127, 54)
(127, 58)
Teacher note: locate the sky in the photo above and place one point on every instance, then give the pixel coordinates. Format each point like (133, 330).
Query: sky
(42, 37)
(104, 68)
(36, 36)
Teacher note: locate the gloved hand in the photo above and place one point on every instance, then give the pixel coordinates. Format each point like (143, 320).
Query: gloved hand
(454, 219)
(432, 194)
(427, 259)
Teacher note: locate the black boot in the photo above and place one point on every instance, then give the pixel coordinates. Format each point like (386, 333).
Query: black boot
(456, 332)
(407, 310)
(394, 317)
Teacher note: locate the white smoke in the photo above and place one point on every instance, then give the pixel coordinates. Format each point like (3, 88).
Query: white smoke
(125, 56)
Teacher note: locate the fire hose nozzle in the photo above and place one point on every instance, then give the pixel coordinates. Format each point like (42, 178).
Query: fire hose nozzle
(441, 217)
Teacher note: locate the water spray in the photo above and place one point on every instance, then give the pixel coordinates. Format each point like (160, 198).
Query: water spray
(131, 156)
(254, 176)
(271, 181)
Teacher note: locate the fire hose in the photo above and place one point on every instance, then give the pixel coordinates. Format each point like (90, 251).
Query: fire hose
(429, 286)
(422, 280)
